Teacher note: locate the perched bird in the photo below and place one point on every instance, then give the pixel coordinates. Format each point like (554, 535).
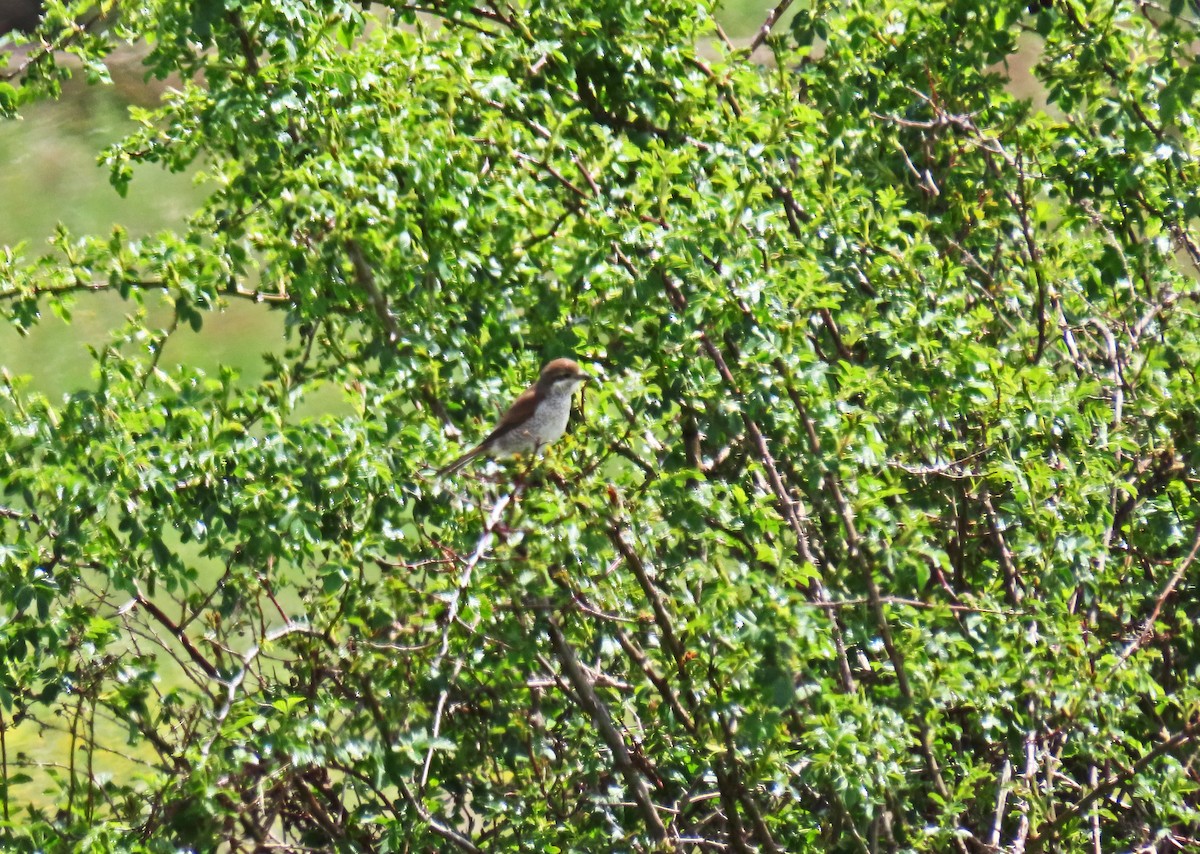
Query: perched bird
(536, 418)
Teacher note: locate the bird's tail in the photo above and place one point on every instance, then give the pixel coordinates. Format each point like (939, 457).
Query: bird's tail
(462, 461)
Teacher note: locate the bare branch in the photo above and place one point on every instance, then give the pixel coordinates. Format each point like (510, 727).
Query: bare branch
(772, 19)
(176, 632)
(586, 692)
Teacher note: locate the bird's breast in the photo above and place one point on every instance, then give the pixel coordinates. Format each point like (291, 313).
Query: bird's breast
(545, 425)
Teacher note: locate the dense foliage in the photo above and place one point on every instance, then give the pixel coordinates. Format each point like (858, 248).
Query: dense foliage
(878, 533)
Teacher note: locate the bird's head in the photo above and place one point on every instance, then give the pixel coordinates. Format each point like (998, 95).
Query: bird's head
(561, 376)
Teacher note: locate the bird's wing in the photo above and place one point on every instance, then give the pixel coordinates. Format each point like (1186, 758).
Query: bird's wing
(518, 413)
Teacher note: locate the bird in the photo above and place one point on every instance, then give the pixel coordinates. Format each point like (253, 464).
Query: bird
(535, 419)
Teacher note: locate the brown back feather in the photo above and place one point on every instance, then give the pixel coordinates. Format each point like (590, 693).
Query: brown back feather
(518, 413)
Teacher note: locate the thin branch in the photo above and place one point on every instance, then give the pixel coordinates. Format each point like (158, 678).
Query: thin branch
(76, 286)
(482, 547)
(210, 669)
(159, 346)
(9, 513)
(1045, 836)
(1029, 775)
(234, 683)
(80, 286)
(447, 833)
(4, 762)
(393, 771)
(656, 679)
(1002, 790)
(1007, 563)
(837, 604)
(598, 712)
(1148, 624)
(772, 19)
(365, 277)
(462, 22)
